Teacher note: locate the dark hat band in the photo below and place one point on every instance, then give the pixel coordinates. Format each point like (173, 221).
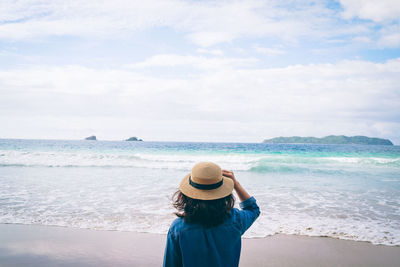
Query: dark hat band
(205, 186)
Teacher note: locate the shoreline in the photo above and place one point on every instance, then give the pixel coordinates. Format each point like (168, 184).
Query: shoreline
(244, 237)
(38, 245)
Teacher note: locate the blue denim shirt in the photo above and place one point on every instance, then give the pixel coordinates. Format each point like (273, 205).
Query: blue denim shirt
(194, 245)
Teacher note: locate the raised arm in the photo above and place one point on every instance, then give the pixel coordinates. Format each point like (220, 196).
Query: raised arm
(250, 210)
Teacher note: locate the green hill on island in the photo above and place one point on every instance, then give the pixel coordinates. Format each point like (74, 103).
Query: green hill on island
(331, 139)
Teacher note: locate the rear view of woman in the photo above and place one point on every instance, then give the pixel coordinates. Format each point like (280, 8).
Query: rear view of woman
(208, 229)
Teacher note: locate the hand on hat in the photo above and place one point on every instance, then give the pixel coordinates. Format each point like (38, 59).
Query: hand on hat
(229, 174)
(241, 192)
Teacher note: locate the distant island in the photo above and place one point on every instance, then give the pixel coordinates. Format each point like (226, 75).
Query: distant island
(93, 137)
(331, 139)
(133, 139)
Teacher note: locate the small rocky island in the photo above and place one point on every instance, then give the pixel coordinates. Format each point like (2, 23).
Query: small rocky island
(133, 139)
(331, 139)
(93, 137)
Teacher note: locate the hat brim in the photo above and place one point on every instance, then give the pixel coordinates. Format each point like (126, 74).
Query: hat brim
(224, 190)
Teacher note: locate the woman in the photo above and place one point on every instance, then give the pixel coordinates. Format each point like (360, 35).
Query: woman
(208, 229)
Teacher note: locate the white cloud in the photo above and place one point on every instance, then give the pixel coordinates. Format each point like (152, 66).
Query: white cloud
(378, 11)
(218, 104)
(362, 39)
(205, 23)
(390, 37)
(268, 51)
(215, 52)
(173, 60)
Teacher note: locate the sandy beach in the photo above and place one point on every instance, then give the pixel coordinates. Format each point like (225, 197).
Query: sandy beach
(33, 245)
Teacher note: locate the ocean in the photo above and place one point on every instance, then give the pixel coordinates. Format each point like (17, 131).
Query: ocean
(340, 191)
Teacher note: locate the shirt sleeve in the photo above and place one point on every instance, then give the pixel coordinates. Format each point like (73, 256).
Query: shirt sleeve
(172, 254)
(249, 213)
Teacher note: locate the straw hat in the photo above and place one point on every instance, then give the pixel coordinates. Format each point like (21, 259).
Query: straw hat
(206, 182)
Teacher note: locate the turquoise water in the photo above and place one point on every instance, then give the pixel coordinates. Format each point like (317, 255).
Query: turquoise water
(342, 191)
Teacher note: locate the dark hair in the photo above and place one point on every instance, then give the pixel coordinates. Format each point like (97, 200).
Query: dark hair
(206, 212)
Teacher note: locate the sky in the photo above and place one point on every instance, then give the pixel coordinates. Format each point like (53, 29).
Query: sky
(205, 71)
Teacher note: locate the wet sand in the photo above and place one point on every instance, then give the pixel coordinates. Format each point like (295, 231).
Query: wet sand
(32, 245)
